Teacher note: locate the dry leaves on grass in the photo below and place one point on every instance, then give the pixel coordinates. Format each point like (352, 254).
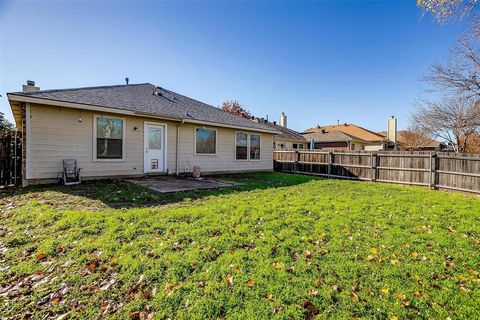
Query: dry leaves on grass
(229, 279)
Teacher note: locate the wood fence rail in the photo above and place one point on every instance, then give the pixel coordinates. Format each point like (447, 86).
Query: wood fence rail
(435, 170)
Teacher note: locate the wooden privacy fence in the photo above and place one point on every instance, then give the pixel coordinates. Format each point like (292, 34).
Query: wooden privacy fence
(459, 172)
(10, 159)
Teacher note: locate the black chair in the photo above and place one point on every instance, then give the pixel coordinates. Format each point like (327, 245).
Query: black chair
(71, 172)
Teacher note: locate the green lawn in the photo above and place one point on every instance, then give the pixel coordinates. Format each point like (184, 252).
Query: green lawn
(280, 246)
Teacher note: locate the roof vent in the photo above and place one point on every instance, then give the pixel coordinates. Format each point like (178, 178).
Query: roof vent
(31, 83)
(126, 80)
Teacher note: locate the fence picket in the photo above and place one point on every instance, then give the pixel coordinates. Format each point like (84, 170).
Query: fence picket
(436, 170)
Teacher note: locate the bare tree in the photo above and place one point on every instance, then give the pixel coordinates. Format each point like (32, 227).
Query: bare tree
(444, 10)
(236, 108)
(415, 137)
(454, 119)
(461, 74)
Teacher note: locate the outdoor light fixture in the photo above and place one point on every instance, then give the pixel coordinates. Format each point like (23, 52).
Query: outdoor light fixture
(135, 128)
(80, 117)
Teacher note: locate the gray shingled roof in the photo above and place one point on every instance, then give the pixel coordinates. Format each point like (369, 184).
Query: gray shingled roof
(146, 98)
(286, 133)
(335, 136)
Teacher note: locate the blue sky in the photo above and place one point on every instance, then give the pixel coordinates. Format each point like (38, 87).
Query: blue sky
(358, 62)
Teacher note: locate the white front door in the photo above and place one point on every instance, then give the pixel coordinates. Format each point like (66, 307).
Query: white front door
(154, 148)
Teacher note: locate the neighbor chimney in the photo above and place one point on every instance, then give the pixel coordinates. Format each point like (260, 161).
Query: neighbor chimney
(392, 129)
(283, 120)
(30, 86)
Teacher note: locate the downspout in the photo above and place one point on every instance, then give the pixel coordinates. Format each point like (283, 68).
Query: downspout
(177, 144)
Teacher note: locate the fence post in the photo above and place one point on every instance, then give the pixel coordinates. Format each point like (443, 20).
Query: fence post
(373, 164)
(435, 166)
(330, 161)
(295, 161)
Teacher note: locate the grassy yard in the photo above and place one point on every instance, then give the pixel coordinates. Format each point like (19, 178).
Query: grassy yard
(280, 246)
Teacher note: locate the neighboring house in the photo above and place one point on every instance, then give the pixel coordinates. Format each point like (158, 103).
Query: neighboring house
(411, 141)
(133, 130)
(286, 139)
(363, 139)
(335, 141)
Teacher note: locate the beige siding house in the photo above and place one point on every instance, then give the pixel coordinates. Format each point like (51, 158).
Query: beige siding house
(133, 130)
(286, 138)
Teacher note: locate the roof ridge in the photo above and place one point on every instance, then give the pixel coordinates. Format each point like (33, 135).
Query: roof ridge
(84, 88)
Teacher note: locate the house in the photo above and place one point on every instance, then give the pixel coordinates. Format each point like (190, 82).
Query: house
(356, 137)
(335, 141)
(133, 130)
(286, 139)
(412, 141)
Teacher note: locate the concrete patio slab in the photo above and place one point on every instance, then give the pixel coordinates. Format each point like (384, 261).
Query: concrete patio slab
(167, 184)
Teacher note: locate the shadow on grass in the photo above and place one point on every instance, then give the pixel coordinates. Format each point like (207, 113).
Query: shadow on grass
(121, 194)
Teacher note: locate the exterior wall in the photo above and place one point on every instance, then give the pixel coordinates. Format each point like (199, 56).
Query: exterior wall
(374, 147)
(332, 146)
(54, 134)
(288, 145)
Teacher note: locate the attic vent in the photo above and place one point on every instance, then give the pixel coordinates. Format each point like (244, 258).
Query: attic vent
(157, 93)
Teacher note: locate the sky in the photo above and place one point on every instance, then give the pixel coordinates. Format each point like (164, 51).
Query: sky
(319, 62)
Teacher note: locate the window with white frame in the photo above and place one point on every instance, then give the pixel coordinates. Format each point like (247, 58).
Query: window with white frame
(247, 146)
(254, 147)
(241, 142)
(109, 136)
(205, 141)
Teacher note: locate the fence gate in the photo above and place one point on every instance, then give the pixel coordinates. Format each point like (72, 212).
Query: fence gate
(10, 159)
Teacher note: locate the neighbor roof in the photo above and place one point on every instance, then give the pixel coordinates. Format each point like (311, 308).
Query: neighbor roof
(335, 136)
(145, 99)
(286, 133)
(403, 139)
(352, 130)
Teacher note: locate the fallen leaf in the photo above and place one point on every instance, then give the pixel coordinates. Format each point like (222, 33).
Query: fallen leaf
(312, 292)
(250, 283)
(462, 278)
(307, 254)
(369, 257)
(473, 272)
(417, 294)
(400, 296)
(41, 256)
(311, 308)
(464, 289)
(354, 297)
(92, 265)
(278, 265)
(229, 280)
(169, 289)
(414, 254)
